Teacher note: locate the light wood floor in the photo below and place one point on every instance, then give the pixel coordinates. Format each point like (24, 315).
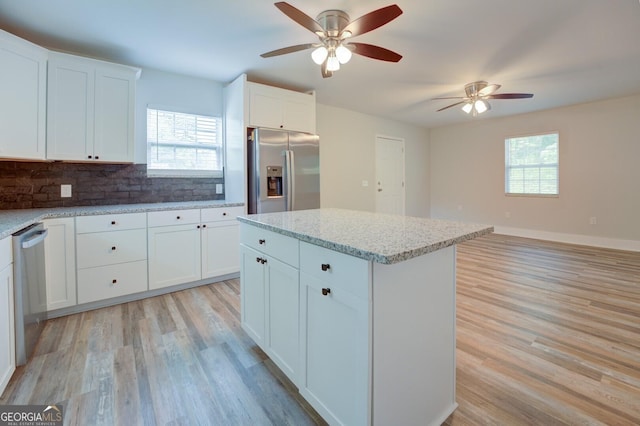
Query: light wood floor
(546, 334)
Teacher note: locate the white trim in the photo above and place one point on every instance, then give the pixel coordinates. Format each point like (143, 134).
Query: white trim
(585, 240)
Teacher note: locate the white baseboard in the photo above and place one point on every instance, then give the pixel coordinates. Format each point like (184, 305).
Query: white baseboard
(584, 240)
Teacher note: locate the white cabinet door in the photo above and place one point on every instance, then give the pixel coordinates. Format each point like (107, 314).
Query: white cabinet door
(253, 294)
(70, 109)
(23, 83)
(90, 109)
(334, 351)
(174, 255)
(220, 253)
(7, 328)
(60, 262)
(278, 108)
(114, 115)
(283, 322)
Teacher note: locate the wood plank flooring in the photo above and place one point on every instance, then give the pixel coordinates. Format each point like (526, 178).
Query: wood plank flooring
(546, 334)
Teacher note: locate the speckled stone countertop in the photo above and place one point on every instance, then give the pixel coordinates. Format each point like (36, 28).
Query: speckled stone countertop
(14, 220)
(377, 237)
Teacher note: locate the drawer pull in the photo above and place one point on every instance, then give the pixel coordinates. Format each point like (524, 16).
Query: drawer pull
(198, 226)
(326, 291)
(113, 222)
(97, 158)
(261, 241)
(325, 267)
(261, 260)
(113, 248)
(224, 214)
(204, 226)
(114, 281)
(178, 217)
(88, 156)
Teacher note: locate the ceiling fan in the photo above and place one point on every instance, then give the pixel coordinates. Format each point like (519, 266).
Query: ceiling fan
(477, 94)
(335, 29)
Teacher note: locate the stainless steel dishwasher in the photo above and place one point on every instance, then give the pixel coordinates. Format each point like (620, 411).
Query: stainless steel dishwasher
(30, 288)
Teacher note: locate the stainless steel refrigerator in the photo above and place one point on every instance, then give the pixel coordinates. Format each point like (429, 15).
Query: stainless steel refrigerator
(284, 171)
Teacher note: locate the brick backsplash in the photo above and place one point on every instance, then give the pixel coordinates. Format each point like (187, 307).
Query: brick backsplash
(26, 185)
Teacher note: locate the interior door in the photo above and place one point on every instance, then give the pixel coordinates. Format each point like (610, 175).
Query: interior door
(390, 191)
(305, 161)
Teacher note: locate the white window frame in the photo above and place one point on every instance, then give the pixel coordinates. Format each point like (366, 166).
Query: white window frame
(186, 173)
(508, 167)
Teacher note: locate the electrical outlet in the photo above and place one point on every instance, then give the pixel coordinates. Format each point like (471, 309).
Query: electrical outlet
(593, 220)
(65, 191)
(218, 188)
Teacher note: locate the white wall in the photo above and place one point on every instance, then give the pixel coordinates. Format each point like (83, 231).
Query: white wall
(347, 157)
(175, 92)
(599, 174)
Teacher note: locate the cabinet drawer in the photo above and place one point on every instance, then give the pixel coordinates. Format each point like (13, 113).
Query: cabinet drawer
(109, 248)
(221, 213)
(271, 243)
(174, 217)
(336, 269)
(6, 254)
(110, 222)
(105, 282)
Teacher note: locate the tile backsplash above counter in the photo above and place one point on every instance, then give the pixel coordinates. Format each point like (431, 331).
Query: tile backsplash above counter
(26, 185)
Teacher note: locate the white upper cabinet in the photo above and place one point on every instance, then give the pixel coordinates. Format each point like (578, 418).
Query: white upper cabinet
(23, 82)
(90, 109)
(277, 108)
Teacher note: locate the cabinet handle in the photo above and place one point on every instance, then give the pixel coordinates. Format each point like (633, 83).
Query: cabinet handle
(281, 126)
(264, 261)
(261, 241)
(113, 222)
(114, 281)
(88, 156)
(97, 158)
(198, 226)
(326, 291)
(258, 259)
(261, 260)
(325, 267)
(113, 248)
(224, 214)
(178, 217)
(204, 226)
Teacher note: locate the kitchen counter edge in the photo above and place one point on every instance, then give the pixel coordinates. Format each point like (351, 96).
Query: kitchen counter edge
(14, 220)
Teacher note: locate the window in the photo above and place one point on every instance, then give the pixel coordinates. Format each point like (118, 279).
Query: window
(183, 145)
(531, 165)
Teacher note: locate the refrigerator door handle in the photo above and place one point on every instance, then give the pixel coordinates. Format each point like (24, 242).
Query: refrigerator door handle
(287, 176)
(292, 180)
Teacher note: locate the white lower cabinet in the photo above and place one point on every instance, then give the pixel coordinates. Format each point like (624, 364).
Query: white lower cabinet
(174, 255)
(190, 245)
(271, 298)
(7, 328)
(60, 262)
(112, 256)
(334, 334)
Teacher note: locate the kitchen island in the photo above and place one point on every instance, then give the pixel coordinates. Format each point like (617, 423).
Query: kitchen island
(357, 309)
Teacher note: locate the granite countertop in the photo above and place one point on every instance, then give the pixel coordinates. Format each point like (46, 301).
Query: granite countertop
(376, 237)
(14, 220)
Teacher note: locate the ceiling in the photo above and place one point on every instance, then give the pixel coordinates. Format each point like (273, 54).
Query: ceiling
(563, 51)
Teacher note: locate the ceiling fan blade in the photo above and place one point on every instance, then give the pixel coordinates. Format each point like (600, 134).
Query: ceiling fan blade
(286, 50)
(373, 20)
(325, 72)
(375, 52)
(509, 96)
(489, 89)
(448, 97)
(300, 17)
(450, 106)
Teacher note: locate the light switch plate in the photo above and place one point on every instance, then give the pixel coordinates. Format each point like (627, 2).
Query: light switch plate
(65, 191)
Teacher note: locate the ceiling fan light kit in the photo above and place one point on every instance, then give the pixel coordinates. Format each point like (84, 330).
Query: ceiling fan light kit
(477, 94)
(334, 29)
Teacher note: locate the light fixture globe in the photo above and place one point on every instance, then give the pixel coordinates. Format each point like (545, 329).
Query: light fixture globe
(319, 55)
(467, 107)
(333, 64)
(343, 54)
